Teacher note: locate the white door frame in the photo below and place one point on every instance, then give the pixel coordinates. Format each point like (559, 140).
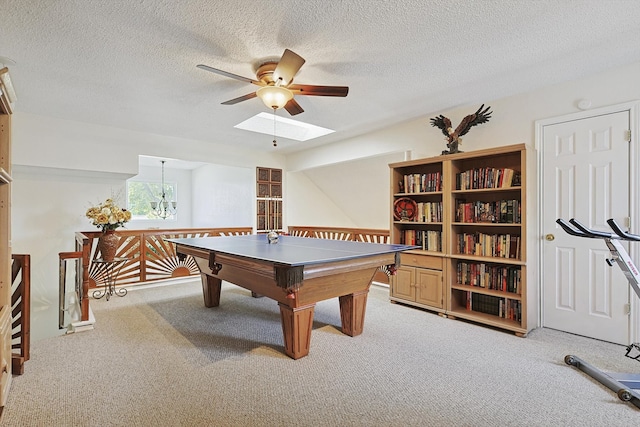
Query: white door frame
(634, 197)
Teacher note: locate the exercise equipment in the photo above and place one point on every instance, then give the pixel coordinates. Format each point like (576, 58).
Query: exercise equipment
(623, 384)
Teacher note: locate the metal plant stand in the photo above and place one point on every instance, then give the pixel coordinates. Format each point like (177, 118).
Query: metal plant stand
(108, 273)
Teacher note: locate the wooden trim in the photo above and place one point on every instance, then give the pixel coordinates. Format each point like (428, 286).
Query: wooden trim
(505, 149)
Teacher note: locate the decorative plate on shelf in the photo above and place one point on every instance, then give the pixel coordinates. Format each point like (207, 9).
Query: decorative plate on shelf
(405, 209)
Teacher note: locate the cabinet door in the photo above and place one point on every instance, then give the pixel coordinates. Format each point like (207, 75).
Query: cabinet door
(429, 287)
(402, 285)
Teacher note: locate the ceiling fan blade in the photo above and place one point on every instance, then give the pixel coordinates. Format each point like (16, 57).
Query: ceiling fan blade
(228, 74)
(293, 107)
(319, 90)
(288, 67)
(240, 99)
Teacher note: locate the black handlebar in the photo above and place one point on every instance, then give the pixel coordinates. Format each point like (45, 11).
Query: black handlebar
(592, 233)
(569, 229)
(576, 228)
(620, 232)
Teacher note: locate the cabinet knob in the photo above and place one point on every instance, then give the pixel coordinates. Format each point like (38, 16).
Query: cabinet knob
(550, 237)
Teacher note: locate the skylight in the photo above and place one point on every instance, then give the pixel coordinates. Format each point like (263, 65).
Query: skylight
(285, 128)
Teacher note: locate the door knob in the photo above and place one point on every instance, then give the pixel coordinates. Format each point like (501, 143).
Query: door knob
(550, 237)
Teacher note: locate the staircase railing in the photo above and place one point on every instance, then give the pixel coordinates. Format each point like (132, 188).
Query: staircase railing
(369, 235)
(20, 311)
(149, 258)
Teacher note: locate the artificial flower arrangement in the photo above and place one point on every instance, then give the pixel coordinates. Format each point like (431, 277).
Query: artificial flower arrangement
(108, 215)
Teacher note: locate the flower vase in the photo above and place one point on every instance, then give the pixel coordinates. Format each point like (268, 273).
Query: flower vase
(108, 245)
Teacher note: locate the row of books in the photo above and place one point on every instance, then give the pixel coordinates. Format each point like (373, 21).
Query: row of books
(429, 212)
(502, 307)
(501, 211)
(428, 240)
(487, 178)
(421, 183)
(489, 245)
(490, 276)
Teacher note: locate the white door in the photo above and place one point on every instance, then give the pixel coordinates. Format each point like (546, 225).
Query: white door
(585, 176)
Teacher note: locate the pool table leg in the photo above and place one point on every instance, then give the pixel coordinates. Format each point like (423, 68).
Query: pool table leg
(296, 328)
(211, 290)
(352, 310)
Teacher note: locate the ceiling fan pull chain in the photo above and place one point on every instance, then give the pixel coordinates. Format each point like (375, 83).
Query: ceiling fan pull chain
(275, 144)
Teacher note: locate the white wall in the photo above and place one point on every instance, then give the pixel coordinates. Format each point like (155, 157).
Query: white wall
(48, 206)
(208, 196)
(183, 180)
(307, 205)
(50, 142)
(61, 167)
(223, 196)
(347, 194)
(512, 122)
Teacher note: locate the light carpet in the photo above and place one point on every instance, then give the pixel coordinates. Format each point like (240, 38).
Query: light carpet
(158, 357)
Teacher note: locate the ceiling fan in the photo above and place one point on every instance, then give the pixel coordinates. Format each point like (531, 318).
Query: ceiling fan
(277, 89)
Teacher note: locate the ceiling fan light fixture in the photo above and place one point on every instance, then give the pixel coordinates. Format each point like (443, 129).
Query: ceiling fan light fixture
(276, 84)
(274, 96)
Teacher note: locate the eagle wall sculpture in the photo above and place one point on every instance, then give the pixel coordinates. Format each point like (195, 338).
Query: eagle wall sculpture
(454, 136)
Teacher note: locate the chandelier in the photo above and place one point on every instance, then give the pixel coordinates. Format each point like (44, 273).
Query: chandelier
(163, 208)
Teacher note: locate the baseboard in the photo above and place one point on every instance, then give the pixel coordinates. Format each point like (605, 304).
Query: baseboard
(82, 325)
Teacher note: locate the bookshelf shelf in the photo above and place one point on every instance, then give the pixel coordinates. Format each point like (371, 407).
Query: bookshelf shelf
(489, 320)
(424, 252)
(487, 190)
(418, 223)
(486, 259)
(485, 224)
(428, 193)
(485, 291)
(482, 232)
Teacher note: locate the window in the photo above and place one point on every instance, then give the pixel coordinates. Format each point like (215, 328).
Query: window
(140, 194)
(269, 192)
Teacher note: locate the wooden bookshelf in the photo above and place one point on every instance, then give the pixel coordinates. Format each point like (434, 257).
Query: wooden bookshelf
(420, 279)
(5, 257)
(480, 259)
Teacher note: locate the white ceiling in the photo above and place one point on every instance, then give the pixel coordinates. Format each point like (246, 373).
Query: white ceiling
(132, 64)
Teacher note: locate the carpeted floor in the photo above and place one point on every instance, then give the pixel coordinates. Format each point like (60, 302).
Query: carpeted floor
(158, 357)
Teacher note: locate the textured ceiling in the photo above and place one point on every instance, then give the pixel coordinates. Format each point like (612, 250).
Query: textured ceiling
(132, 64)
